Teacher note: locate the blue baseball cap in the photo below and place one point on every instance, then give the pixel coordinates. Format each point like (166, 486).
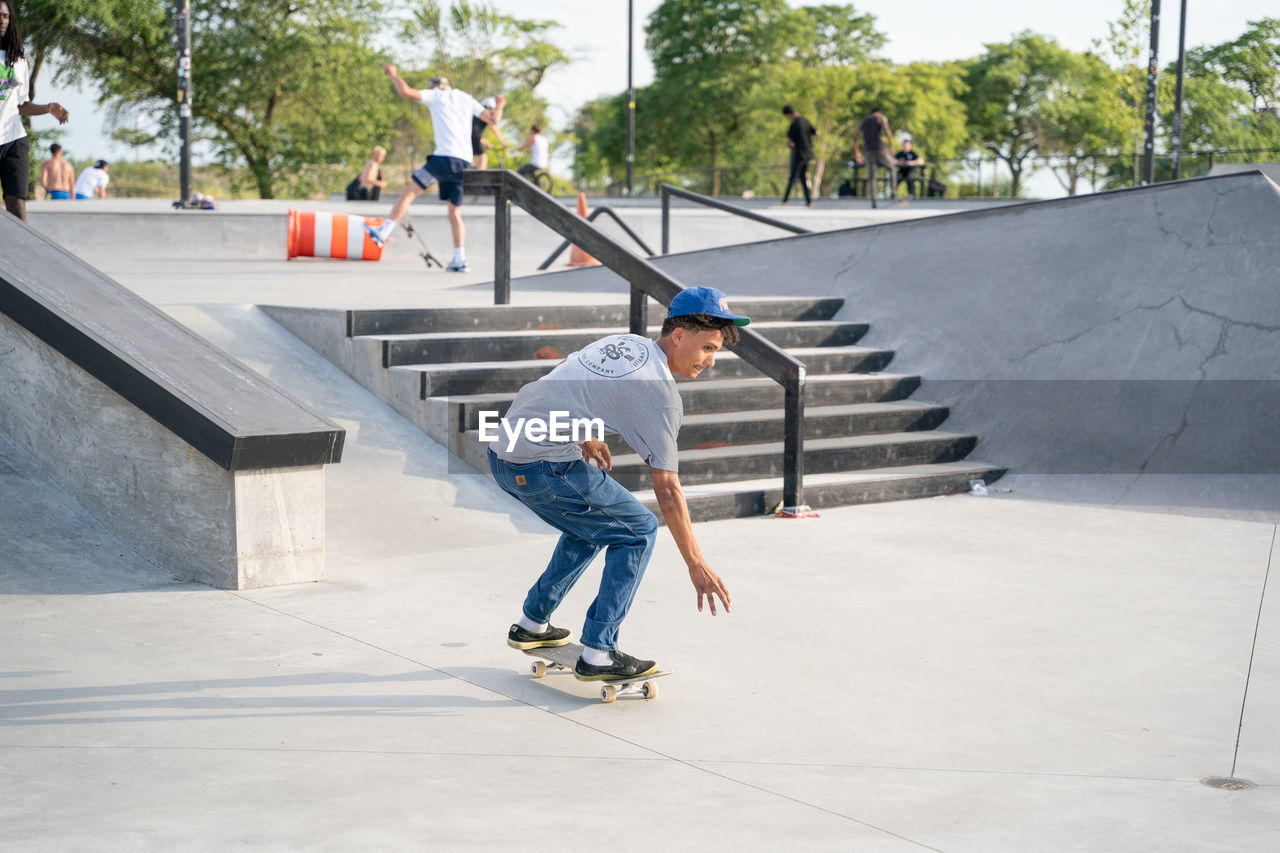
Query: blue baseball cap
(704, 300)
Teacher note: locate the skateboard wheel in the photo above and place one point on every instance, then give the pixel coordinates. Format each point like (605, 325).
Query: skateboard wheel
(608, 693)
(650, 689)
(539, 669)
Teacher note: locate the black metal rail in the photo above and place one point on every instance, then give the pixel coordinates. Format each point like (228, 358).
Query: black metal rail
(646, 280)
(668, 191)
(606, 211)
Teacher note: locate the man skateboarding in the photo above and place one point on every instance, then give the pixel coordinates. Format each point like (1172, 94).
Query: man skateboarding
(451, 113)
(627, 382)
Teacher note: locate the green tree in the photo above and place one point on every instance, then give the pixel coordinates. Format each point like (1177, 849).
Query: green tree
(1009, 88)
(1232, 98)
(1084, 113)
(836, 35)
(484, 52)
(1251, 61)
(279, 86)
(710, 57)
(599, 141)
(1216, 115)
(482, 49)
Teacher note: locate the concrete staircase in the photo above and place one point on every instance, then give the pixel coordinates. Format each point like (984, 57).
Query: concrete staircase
(865, 440)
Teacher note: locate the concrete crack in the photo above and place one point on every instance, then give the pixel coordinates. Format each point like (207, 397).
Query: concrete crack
(853, 259)
(1168, 232)
(1220, 349)
(1078, 335)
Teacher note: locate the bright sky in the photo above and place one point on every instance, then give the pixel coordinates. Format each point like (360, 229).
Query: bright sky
(594, 34)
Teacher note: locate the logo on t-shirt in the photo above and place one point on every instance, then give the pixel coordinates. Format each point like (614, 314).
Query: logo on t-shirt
(8, 81)
(614, 357)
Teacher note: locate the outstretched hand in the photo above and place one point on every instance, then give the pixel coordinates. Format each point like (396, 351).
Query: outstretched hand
(708, 586)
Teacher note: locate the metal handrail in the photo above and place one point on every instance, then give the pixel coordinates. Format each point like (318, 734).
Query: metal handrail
(592, 218)
(646, 280)
(667, 191)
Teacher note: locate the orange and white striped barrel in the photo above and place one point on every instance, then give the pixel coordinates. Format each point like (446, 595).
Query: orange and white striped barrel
(332, 235)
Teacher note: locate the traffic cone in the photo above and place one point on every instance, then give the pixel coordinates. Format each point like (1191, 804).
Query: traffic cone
(331, 235)
(577, 257)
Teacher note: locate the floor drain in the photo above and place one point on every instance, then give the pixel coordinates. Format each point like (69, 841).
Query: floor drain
(1227, 783)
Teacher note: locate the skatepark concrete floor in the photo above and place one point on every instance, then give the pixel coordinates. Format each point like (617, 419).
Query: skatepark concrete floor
(960, 674)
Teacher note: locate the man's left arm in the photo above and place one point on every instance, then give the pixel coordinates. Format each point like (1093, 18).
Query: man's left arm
(675, 512)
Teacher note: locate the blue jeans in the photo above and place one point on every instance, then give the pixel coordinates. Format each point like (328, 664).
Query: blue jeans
(591, 511)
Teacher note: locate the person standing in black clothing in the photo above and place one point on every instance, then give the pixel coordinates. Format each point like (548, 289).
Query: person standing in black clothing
(479, 147)
(800, 139)
(878, 140)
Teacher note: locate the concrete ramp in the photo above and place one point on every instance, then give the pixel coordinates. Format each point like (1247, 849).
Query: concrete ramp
(1122, 347)
(1271, 170)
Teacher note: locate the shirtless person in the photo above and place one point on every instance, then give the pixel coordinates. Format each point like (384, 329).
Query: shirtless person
(57, 176)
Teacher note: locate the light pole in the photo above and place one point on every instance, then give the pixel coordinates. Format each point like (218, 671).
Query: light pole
(1177, 98)
(631, 101)
(184, 99)
(1149, 136)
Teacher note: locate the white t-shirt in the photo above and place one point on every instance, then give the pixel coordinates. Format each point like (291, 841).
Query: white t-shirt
(624, 381)
(90, 179)
(540, 152)
(451, 112)
(15, 90)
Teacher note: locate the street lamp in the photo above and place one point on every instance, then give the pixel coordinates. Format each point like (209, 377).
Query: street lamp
(631, 101)
(1149, 136)
(1177, 98)
(183, 31)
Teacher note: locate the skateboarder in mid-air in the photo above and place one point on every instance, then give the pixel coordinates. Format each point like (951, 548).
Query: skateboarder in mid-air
(451, 114)
(627, 382)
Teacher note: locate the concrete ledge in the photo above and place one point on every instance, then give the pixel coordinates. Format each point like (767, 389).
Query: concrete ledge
(168, 234)
(181, 511)
(193, 460)
(226, 411)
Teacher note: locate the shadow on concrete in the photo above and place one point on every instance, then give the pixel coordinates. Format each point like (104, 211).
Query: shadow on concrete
(131, 703)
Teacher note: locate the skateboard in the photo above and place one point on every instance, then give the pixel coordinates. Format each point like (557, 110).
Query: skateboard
(563, 658)
(425, 254)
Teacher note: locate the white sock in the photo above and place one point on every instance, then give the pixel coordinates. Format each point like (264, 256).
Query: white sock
(596, 657)
(459, 256)
(529, 625)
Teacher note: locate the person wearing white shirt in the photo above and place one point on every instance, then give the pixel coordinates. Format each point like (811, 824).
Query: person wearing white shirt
(451, 113)
(93, 181)
(15, 103)
(539, 153)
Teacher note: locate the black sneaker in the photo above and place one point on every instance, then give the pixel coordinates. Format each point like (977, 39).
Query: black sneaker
(623, 666)
(519, 638)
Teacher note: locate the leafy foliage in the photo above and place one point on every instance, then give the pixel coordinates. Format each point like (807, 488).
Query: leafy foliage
(277, 85)
(484, 52)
